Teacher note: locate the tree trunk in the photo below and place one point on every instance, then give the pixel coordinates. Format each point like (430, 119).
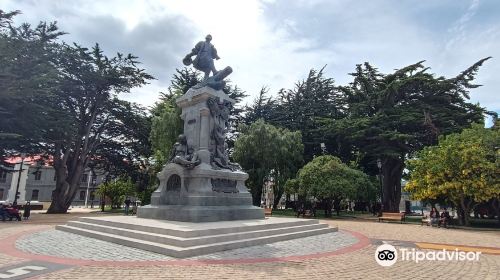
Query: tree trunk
(62, 198)
(67, 183)
(495, 204)
(277, 194)
(329, 206)
(58, 204)
(336, 205)
(256, 195)
(466, 205)
(392, 171)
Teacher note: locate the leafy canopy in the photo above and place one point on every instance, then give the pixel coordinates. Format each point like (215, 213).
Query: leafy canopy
(461, 165)
(268, 153)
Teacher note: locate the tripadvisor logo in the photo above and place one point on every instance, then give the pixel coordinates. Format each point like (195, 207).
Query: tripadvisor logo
(387, 255)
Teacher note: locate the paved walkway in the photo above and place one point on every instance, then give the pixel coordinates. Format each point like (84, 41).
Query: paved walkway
(344, 261)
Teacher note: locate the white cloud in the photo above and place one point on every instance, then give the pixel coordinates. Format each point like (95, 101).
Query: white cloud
(275, 43)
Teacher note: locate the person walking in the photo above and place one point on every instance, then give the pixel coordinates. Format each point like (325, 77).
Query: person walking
(127, 205)
(27, 210)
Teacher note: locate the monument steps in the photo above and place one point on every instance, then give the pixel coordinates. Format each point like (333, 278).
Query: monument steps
(184, 252)
(166, 228)
(200, 240)
(192, 241)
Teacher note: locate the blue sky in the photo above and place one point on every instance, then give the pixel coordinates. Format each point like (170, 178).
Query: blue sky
(275, 43)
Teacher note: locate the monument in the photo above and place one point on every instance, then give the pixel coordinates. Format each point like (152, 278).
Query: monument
(200, 183)
(201, 205)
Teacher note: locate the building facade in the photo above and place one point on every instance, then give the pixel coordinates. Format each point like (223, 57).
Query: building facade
(36, 184)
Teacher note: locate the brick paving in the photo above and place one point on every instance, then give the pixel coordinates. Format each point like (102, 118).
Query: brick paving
(355, 264)
(64, 244)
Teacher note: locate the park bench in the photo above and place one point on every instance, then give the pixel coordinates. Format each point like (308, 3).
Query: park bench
(450, 224)
(268, 212)
(392, 217)
(306, 213)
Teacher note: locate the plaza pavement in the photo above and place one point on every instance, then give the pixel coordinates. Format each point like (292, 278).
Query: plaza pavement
(347, 261)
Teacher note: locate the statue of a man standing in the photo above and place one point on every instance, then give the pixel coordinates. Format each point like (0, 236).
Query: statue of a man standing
(205, 54)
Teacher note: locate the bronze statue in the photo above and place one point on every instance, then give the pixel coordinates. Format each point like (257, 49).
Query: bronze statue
(205, 54)
(184, 155)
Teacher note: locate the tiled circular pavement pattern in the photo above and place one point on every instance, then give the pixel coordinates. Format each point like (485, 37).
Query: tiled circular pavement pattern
(355, 265)
(63, 244)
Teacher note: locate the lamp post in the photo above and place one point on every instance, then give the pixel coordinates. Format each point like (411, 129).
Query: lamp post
(379, 165)
(23, 155)
(92, 193)
(91, 179)
(87, 192)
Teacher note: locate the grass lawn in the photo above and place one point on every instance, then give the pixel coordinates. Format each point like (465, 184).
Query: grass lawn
(108, 209)
(475, 223)
(320, 214)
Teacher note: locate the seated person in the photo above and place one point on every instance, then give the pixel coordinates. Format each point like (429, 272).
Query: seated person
(444, 218)
(434, 216)
(13, 213)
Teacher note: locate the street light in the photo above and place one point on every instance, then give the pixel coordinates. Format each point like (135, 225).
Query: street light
(92, 194)
(379, 165)
(90, 179)
(23, 155)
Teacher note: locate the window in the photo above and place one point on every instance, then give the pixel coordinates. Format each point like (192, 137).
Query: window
(38, 175)
(34, 195)
(84, 178)
(82, 195)
(92, 195)
(3, 177)
(1, 194)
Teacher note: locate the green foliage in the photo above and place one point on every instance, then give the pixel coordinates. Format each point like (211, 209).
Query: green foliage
(62, 102)
(300, 109)
(391, 116)
(268, 153)
(166, 125)
(117, 191)
(463, 168)
(328, 179)
(145, 195)
(166, 121)
(28, 76)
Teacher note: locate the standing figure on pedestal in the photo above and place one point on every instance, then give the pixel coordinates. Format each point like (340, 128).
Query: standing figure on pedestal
(183, 155)
(205, 54)
(220, 113)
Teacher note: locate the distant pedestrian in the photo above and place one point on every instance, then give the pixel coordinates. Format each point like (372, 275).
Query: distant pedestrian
(27, 210)
(134, 208)
(3, 212)
(127, 205)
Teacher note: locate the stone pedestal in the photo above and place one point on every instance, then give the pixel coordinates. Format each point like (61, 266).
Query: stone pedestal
(204, 193)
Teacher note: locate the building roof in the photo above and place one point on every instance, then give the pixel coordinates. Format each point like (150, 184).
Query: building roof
(30, 160)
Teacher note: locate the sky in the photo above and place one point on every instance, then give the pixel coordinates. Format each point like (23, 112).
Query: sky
(274, 43)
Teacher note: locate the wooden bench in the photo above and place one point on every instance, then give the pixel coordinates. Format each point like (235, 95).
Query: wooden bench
(450, 224)
(268, 212)
(392, 217)
(306, 213)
